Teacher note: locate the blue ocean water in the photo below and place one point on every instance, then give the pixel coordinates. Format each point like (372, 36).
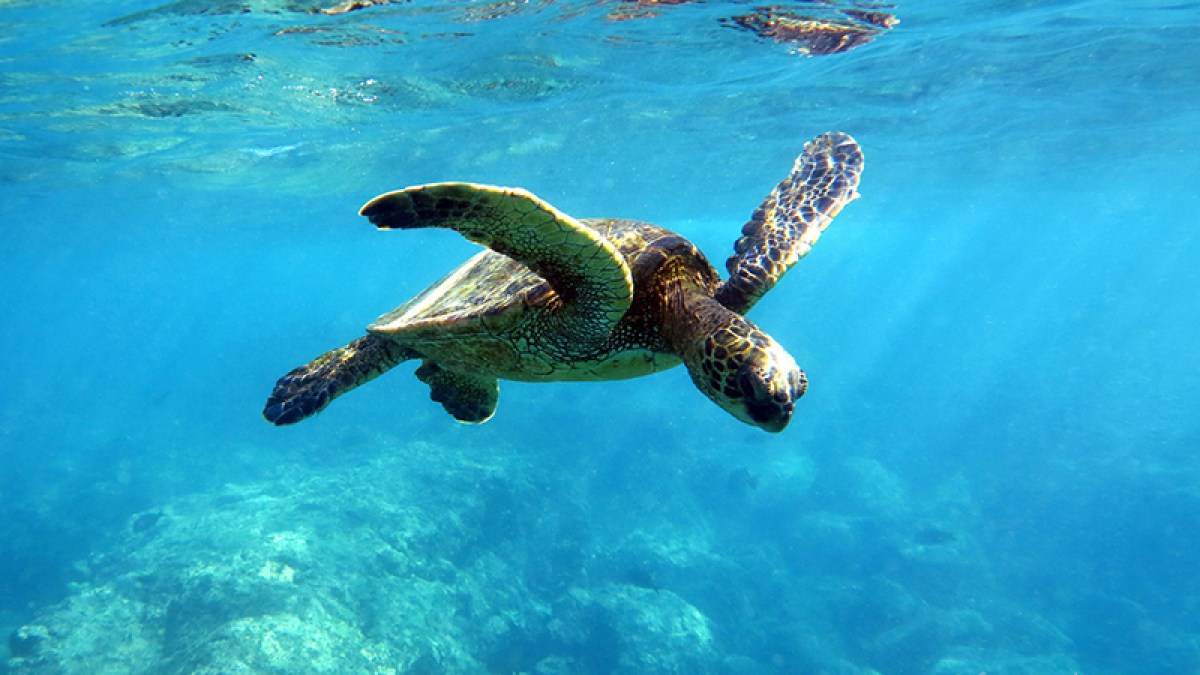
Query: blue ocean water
(993, 469)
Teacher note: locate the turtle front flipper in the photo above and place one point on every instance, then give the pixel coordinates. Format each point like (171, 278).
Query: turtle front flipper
(468, 398)
(306, 390)
(585, 270)
(787, 224)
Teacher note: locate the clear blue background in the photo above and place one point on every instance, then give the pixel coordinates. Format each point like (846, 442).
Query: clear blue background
(1002, 330)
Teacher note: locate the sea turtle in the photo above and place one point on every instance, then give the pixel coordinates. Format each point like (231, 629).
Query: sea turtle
(554, 298)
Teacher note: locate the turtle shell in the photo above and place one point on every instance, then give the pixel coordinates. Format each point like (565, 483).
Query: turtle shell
(492, 308)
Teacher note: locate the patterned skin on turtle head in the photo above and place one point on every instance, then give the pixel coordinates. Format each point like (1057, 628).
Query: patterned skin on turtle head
(731, 361)
(751, 376)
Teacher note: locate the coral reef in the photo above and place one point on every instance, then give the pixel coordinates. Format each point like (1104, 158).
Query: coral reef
(457, 567)
(441, 559)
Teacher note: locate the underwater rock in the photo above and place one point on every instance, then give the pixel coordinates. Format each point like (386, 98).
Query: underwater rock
(404, 565)
(317, 642)
(432, 558)
(95, 630)
(626, 629)
(876, 489)
(144, 522)
(344, 572)
(984, 660)
(659, 631)
(26, 640)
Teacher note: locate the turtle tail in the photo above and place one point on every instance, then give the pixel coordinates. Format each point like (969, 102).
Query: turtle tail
(306, 390)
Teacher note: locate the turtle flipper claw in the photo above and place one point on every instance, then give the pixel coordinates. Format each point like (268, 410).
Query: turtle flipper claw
(306, 390)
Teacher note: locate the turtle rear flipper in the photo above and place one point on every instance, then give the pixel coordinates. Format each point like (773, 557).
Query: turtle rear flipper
(589, 275)
(468, 398)
(787, 224)
(306, 390)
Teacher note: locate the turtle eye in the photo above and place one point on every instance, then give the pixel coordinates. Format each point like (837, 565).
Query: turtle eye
(748, 384)
(760, 404)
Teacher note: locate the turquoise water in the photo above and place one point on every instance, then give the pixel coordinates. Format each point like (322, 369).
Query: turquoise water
(992, 470)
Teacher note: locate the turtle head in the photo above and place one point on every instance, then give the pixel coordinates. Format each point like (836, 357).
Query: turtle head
(748, 374)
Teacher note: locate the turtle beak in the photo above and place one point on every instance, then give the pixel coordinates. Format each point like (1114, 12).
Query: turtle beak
(769, 394)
